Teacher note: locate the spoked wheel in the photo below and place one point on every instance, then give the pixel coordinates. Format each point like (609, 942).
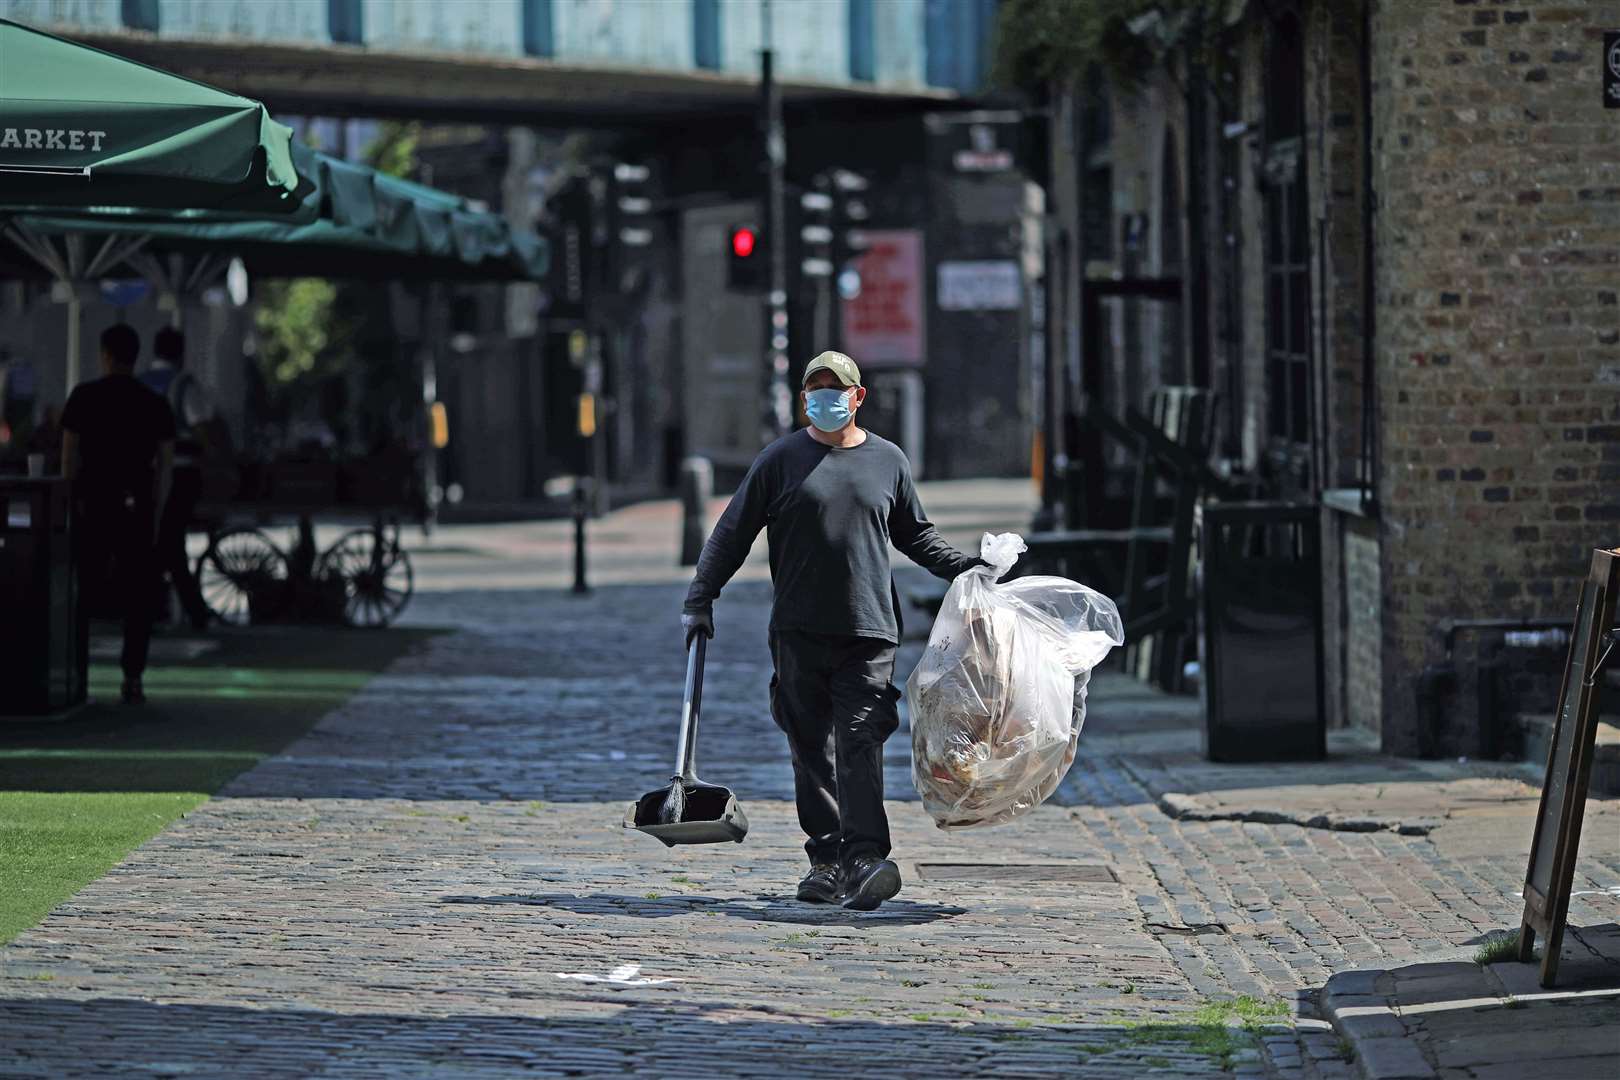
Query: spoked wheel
(376, 573)
(243, 576)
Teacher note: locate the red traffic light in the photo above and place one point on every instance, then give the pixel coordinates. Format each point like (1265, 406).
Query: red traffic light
(743, 240)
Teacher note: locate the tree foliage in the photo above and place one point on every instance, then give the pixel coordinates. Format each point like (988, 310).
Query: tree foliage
(309, 328)
(300, 333)
(393, 150)
(1042, 41)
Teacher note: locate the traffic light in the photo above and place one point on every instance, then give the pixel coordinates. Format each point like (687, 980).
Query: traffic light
(816, 232)
(631, 205)
(745, 259)
(849, 213)
(620, 220)
(568, 226)
(630, 212)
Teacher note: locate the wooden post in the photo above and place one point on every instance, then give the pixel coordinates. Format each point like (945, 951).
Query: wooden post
(1556, 843)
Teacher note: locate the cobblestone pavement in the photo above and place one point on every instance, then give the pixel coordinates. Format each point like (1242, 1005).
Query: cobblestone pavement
(435, 882)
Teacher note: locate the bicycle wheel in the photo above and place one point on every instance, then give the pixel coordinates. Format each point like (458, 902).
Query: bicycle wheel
(376, 573)
(243, 576)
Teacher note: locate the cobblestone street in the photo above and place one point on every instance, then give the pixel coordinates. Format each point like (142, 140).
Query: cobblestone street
(435, 881)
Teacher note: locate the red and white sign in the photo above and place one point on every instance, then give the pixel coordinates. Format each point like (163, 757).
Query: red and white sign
(884, 324)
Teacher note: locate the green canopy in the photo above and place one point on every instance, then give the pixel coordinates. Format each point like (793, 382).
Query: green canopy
(351, 221)
(79, 126)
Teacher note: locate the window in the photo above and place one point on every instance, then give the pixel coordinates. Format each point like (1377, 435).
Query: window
(1097, 168)
(1233, 157)
(1287, 246)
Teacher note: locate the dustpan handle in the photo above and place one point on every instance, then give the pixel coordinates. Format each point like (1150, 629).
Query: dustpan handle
(691, 705)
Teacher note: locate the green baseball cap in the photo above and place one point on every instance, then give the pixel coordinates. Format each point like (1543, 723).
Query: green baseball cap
(837, 363)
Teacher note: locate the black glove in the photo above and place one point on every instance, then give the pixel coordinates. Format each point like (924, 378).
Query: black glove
(697, 622)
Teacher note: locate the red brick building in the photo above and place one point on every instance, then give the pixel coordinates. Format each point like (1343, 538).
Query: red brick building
(1396, 226)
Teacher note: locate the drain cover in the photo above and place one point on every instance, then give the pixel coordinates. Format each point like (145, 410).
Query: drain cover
(1095, 873)
(1191, 930)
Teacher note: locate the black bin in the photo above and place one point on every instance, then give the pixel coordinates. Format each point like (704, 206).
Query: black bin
(1260, 639)
(43, 636)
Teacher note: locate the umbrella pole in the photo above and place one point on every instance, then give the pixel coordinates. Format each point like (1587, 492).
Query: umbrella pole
(73, 312)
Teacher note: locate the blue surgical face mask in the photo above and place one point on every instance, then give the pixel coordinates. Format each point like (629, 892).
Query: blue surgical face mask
(829, 409)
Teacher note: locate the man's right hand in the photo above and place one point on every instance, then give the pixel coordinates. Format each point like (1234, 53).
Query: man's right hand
(697, 622)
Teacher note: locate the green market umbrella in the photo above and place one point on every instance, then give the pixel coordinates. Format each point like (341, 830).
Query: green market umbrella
(79, 126)
(350, 221)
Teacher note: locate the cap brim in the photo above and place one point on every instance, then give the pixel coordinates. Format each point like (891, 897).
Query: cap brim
(834, 371)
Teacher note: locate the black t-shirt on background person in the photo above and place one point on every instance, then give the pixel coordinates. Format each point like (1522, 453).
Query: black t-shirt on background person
(830, 514)
(119, 423)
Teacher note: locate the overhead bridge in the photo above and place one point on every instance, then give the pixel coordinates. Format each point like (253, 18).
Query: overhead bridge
(334, 80)
(549, 63)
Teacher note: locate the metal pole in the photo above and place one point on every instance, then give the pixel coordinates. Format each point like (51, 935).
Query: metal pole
(780, 399)
(1061, 318)
(697, 487)
(1196, 324)
(73, 333)
(595, 384)
(580, 513)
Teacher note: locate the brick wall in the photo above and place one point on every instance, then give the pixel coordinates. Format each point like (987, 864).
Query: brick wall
(1363, 652)
(1498, 233)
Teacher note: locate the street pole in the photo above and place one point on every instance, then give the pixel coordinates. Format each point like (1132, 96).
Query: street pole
(1197, 281)
(595, 383)
(581, 512)
(779, 400)
(596, 321)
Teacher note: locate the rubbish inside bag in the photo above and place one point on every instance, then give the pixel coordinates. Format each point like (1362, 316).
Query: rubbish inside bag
(998, 699)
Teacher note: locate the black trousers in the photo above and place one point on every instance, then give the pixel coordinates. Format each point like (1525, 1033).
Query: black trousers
(834, 697)
(118, 569)
(184, 491)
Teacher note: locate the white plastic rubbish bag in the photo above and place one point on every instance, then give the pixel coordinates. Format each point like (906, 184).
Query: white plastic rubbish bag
(998, 699)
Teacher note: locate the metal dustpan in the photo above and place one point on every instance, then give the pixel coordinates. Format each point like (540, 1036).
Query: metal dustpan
(711, 814)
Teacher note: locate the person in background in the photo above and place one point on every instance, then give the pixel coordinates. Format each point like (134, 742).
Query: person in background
(192, 408)
(118, 450)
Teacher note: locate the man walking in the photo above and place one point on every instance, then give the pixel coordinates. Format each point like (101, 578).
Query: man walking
(188, 401)
(831, 497)
(117, 448)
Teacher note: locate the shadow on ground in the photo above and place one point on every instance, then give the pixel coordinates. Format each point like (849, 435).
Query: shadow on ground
(620, 1033)
(207, 718)
(764, 909)
(1454, 1017)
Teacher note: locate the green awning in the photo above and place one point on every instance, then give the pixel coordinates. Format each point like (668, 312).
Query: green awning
(350, 221)
(81, 126)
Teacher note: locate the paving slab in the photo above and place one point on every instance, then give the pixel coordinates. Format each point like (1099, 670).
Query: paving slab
(1391, 1058)
(1462, 1020)
(434, 881)
(1589, 1068)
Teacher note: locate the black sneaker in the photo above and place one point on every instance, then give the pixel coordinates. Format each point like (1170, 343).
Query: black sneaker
(868, 881)
(132, 693)
(824, 884)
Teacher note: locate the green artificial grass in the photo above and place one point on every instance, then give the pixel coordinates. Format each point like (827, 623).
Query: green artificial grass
(78, 794)
(54, 843)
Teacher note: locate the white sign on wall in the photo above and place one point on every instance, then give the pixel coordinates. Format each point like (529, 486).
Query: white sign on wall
(981, 285)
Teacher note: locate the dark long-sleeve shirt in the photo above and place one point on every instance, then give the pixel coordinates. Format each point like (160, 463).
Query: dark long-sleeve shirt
(829, 515)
